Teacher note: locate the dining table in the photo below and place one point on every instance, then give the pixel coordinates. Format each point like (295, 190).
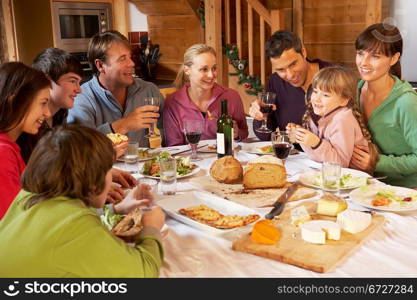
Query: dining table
(189, 252)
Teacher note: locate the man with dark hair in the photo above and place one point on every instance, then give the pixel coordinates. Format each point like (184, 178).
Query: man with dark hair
(293, 73)
(113, 100)
(65, 73)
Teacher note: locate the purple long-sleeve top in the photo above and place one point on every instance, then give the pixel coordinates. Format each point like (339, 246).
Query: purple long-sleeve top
(340, 132)
(179, 107)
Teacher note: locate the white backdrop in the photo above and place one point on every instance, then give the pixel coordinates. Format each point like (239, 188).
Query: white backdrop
(404, 16)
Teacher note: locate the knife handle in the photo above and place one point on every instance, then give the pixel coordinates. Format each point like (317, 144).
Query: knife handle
(275, 211)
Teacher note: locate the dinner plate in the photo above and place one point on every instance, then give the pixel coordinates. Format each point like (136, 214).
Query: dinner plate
(255, 148)
(211, 146)
(152, 152)
(364, 196)
(172, 206)
(157, 151)
(193, 172)
(313, 179)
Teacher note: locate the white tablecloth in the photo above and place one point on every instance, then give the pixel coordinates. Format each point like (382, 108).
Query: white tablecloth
(390, 251)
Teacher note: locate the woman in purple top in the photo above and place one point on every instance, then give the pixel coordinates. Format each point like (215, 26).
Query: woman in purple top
(198, 97)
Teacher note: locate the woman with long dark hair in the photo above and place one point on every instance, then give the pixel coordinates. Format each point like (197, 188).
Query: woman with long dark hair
(389, 106)
(24, 98)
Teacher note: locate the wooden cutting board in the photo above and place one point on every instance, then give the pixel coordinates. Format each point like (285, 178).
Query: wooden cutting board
(291, 249)
(250, 198)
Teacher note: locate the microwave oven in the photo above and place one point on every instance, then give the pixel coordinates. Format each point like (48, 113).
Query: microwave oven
(74, 23)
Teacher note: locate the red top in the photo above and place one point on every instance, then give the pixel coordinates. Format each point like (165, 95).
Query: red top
(11, 167)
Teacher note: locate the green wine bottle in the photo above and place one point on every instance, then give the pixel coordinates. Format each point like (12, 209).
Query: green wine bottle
(224, 132)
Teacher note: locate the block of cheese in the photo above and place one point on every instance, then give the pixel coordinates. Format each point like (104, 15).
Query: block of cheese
(316, 232)
(264, 172)
(330, 205)
(353, 221)
(299, 215)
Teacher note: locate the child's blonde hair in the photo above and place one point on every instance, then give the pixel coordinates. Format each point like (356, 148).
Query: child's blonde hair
(341, 81)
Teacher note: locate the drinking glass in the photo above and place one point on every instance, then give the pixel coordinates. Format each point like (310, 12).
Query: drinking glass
(168, 173)
(154, 189)
(193, 130)
(267, 99)
(281, 144)
(155, 101)
(330, 173)
(131, 156)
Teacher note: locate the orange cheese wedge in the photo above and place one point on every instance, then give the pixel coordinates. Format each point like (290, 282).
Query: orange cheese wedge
(264, 232)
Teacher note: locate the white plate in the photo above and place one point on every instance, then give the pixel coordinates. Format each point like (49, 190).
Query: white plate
(172, 150)
(364, 197)
(208, 149)
(254, 148)
(308, 178)
(193, 172)
(172, 206)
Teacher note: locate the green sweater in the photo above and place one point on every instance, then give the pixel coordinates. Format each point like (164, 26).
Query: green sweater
(62, 237)
(393, 126)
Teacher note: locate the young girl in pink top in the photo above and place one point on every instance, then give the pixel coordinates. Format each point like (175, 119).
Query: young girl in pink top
(333, 124)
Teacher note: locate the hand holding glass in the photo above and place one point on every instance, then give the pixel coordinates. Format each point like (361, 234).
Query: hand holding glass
(154, 101)
(193, 130)
(267, 99)
(154, 191)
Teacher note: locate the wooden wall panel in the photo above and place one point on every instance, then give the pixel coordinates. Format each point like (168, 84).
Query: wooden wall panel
(329, 15)
(163, 7)
(337, 53)
(334, 33)
(174, 26)
(330, 27)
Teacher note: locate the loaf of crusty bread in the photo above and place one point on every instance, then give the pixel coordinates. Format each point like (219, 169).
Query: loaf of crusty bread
(264, 172)
(227, 170)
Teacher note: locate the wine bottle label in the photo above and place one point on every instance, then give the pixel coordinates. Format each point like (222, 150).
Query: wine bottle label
(220, 143)
(233, 139)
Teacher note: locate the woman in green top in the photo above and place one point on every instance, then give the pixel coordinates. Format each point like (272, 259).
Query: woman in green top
(52, 228)
(389, 106)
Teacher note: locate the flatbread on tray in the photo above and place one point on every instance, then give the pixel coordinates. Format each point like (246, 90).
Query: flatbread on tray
(212, 217)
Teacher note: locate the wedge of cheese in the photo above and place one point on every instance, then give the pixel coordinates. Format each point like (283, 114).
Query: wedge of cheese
(299, 215)
(353, 221)
(330, 205)
(316, 232)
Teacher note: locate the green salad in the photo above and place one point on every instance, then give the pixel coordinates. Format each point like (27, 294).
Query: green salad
(184, 165)
(110, 219)
(399, 199)
(346, 180)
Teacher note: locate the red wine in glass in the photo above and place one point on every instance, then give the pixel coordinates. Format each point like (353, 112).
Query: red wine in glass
(266, 109)
(282, 149)
(193, 137)
(193, 129)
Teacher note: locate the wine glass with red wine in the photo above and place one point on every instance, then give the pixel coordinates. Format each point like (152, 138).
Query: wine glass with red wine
(193, 130)
(267, 99)
(281, 144)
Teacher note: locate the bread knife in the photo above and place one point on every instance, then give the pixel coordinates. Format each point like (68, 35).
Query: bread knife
(278, 206)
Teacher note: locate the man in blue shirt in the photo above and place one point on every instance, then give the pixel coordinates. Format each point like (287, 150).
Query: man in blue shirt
(113, 100)
(293, 73)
